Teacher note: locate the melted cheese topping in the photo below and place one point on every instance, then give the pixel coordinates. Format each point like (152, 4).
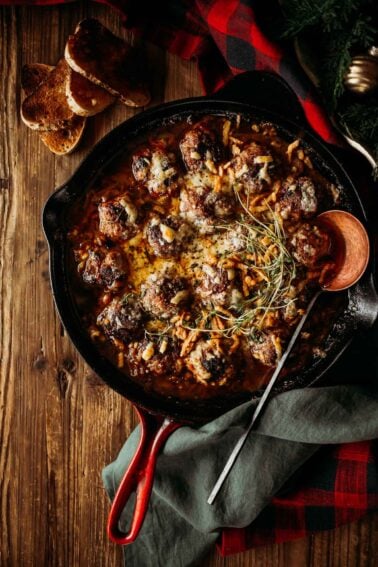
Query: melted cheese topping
(234, 244)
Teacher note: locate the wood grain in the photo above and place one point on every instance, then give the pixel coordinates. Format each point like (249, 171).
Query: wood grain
(59, 423)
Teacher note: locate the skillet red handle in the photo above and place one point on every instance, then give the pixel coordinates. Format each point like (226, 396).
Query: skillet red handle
(139, 476)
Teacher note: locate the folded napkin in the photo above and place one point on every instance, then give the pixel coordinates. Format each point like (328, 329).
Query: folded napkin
(180, 527)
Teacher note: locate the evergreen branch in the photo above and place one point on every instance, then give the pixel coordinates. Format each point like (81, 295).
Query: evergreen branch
(330, 15)
(331, 32)
(336, 58)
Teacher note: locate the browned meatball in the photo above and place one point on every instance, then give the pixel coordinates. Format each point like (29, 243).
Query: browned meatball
(266, 347)
(156, 168)
(118, 218)
(154, 356)
(167, 236)
(164, 294)
(297, 199)
(107, 270)
(209, 364)
(122, 318)
(199, 145)
(253, 167)
(204, 207)
(310, 245)
(216, 285)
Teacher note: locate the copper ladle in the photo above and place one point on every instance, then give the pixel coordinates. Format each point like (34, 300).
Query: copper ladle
(350, 251)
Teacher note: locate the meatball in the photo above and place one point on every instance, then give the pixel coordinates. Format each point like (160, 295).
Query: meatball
(122, 318)
(156, 168)
(297, 199)
(203, 207)
(107, 270)
(266, 347)
(154, 356)
(232, 240)
(167, 236)
(252, 167)
(118, 218)
(209, 364)
(216, 285)
(200, 147)
(310, 244)
(164, 294)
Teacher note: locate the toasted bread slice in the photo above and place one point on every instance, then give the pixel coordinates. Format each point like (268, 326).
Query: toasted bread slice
(46, 108)
(61, 141)
(84, 97)
(108, 61)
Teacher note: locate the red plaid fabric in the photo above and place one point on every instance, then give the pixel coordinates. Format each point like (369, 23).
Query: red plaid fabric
(224, 38)
(337, 486)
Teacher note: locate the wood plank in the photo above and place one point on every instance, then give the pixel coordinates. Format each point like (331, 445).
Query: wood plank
(59, 423)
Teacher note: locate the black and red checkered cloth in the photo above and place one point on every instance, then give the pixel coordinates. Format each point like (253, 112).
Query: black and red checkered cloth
(222, 35)
(338, 485)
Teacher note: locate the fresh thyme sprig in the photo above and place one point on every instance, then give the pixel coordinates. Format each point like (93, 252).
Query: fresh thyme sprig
(261, 237)
(281, 271)
(159, 334)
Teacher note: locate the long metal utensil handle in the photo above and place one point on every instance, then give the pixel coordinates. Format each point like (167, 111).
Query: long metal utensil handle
(239, 445)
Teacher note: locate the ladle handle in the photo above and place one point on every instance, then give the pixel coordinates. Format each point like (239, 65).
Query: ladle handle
(242, 439)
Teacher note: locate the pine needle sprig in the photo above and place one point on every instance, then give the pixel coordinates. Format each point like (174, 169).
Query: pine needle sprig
(337, 51)
(329, 14)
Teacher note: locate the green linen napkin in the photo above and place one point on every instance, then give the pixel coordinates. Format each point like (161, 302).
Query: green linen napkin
(180, 527)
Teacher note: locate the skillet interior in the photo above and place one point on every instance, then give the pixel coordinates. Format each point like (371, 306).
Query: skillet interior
(361, 303)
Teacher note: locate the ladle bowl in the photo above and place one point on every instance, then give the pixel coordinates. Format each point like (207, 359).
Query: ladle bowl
(350, 248)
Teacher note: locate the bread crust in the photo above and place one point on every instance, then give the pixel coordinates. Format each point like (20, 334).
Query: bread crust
(108, 61)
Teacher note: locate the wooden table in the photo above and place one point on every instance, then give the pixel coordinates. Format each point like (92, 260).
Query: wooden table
(59, 423)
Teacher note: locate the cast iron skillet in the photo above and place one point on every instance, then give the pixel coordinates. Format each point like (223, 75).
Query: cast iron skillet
(264, 97)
